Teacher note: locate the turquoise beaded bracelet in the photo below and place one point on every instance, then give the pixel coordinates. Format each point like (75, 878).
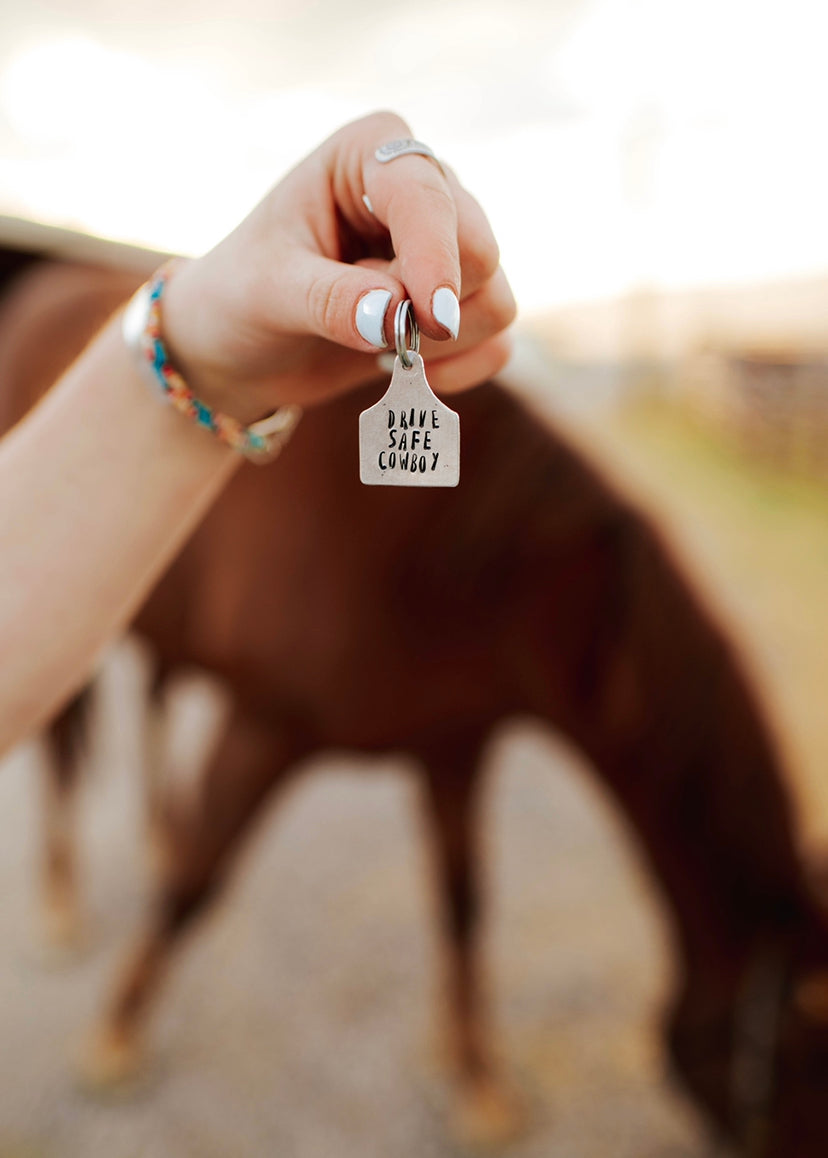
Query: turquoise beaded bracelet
(260, 443)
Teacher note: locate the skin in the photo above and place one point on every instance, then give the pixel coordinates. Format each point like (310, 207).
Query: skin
(99, 506)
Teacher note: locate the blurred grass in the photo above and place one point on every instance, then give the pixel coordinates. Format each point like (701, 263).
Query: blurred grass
(756, 536)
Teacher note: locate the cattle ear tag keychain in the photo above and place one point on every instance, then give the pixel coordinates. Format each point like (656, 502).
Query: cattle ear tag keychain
(409, 438)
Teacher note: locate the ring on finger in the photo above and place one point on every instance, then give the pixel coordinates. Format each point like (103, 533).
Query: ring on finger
(403, 147)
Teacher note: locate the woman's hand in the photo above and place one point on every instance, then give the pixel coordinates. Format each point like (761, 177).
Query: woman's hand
(262, 319)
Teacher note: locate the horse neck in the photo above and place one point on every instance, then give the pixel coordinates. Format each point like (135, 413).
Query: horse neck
(715, 821)
(701, 779)
(657, 697)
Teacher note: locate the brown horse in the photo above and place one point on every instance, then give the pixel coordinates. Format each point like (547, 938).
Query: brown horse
(369, 619)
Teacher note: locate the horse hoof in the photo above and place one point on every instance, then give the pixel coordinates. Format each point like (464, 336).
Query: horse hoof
(61, 932)
(62, 924)
(487, 1116)
(157, 855)
(112, 1062)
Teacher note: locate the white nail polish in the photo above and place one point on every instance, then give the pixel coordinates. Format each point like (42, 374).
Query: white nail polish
(366, 201)
(385, 362)
(370, 316)
(446, 310)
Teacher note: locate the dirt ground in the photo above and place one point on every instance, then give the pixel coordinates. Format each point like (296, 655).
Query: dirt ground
(304, 1019)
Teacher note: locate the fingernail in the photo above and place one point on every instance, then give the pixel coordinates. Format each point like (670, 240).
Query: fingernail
(366, 201)
(446, 310)
(385, 362)
(370, 316)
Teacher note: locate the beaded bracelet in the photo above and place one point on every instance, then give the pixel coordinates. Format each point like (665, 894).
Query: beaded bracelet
(260, 443)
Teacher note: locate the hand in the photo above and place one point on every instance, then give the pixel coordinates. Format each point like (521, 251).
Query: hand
(262, 319)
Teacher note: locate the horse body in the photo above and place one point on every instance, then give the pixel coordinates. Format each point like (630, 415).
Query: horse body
(378, 619)
(398, 613)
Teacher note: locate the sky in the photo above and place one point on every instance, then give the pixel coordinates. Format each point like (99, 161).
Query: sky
(615, 144)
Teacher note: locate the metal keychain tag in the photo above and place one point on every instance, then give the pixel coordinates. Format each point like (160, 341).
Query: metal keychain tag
(409, 438)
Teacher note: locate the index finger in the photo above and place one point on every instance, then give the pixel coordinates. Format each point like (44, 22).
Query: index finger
(411, 196)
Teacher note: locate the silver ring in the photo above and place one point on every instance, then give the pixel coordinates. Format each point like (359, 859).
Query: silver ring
(401, 148)
(404, 317)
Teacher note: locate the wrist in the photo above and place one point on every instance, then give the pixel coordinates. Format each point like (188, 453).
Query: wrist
(191, 322)
(145, 334)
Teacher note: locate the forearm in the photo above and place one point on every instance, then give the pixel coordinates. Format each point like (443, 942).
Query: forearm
(101, 483)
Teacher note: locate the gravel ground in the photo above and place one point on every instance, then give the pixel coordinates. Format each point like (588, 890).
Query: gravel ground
(303, 1018)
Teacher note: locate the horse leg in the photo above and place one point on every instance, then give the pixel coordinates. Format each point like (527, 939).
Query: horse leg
(154, 780)
(486, 1112)
(204, 837)
(60, 905)
(171, 775)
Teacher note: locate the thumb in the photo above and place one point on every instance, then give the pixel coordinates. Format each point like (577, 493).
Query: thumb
(348, 304)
